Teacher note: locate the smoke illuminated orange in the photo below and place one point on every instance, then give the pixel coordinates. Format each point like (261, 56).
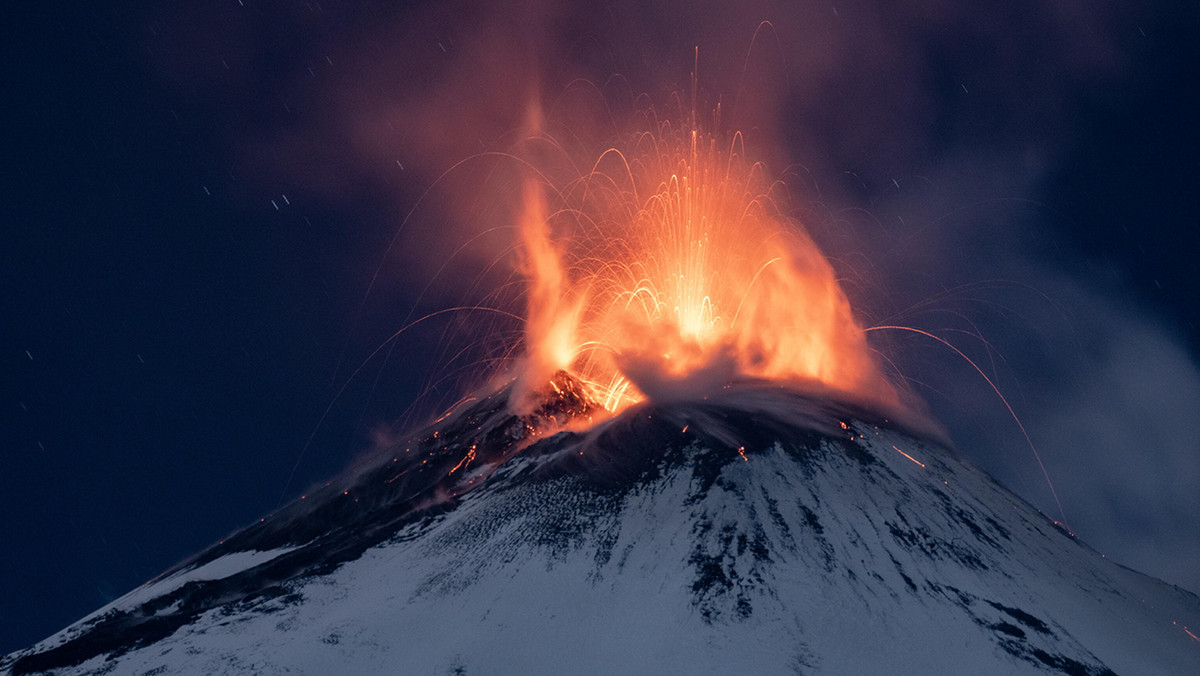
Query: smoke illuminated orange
(670, 269)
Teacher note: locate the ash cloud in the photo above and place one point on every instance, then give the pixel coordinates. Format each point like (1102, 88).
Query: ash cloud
(920, 142)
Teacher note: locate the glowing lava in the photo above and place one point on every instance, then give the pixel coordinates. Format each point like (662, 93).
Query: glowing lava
(669, 269)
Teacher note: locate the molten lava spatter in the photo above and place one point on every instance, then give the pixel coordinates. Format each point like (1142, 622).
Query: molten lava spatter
(669, 269)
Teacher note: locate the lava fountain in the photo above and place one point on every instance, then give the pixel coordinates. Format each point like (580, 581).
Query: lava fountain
(669, 269)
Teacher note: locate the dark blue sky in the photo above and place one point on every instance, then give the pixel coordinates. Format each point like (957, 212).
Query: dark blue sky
(196, 200)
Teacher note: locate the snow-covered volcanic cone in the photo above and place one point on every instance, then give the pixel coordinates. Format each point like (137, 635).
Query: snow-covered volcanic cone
(758, 531)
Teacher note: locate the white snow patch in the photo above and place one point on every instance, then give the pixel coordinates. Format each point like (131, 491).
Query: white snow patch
(217, 569)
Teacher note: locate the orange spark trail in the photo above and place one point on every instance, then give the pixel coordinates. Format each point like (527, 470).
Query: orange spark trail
(908, 456)
(466, 461)
(995, 389)
(394, 336)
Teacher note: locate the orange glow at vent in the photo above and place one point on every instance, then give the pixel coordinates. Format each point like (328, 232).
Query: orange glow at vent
(670, 268)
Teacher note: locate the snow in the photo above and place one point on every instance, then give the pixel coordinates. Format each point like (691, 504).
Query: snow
(216, 569)
(843, 557)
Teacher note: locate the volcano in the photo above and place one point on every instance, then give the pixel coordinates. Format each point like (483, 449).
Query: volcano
(756, 530)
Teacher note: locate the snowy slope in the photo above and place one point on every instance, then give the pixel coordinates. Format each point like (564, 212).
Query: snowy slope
(760, 531)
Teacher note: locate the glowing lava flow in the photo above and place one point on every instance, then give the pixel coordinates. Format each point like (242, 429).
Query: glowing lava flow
(669, 269)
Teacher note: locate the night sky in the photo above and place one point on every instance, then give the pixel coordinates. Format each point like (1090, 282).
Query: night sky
(198, 199)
